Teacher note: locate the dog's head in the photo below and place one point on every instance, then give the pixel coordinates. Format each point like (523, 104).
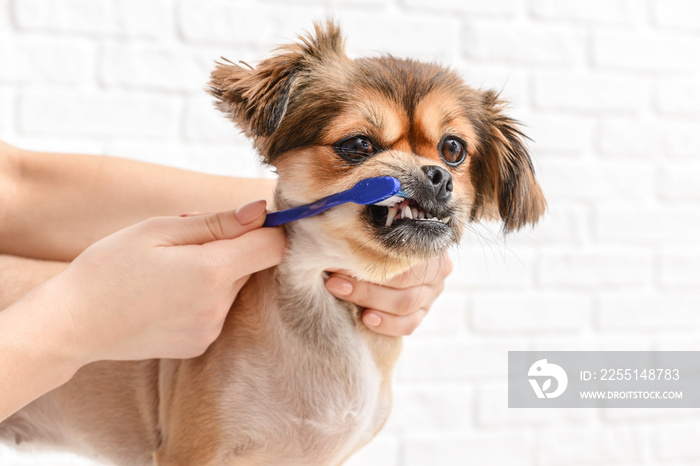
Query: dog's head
(325, 121)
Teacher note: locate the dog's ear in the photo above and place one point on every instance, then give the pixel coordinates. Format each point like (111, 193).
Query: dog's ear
(256, 99)
(503, 174)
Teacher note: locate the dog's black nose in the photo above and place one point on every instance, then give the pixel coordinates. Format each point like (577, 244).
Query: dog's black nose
(441, 181)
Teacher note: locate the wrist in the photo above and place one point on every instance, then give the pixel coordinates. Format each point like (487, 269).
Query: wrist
(9, 183)
(35, 351)
(55, 327)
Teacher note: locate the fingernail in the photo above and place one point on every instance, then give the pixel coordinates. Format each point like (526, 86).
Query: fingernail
(250, 212)
(372, 319)
(339, 286)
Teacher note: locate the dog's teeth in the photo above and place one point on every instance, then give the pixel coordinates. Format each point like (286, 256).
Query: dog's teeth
(421, 215)
(407, 212)
(414, 212)
(445, 220)
(391, 215)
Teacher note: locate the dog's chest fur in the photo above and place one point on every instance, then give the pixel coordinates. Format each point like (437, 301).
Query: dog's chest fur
(297, 376)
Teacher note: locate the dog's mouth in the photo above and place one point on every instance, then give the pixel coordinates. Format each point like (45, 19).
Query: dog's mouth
(405, 210)
(414, 228)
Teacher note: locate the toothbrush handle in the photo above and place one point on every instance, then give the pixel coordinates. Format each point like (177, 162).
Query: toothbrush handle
(274, 219)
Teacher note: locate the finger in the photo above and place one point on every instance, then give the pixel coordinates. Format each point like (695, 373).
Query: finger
(200, 229)
(251, 252)
(391, 300)
(392, 325)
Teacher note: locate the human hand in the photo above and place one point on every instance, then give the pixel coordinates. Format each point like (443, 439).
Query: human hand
(162, 288)
(398, 306)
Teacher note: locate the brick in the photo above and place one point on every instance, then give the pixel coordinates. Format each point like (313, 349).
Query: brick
(686, 339)
(511, 84)
(205, 123)
(683, 139)
(484, 449)
(225, 22)
(5, 23)
(589, 93)
(679, 440)
(74, 16)
(680, 268)
(98, 114)
(642, 52)
(562, 224)
(679, 182)
(151, 19)
(52, 60)
(421, 37)
(562, 446)
(136, 65)
(500, 40)
(627, 311)
(631, 138)
(596, 267)
(678, 96)
(676, 14)
(605, 11)
(492, 411)
(629, 223)
(592, 179)
(609, 341)
(491, 265)
(383, 450)
(432, 408)
(526, 312)
(7, 111)
(502, 8)
(8, 58)
(455, 359)
(225, 159)
(559, 134)
(55, 60)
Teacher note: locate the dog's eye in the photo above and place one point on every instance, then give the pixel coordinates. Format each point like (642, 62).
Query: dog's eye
(452, 150)
(356, 148)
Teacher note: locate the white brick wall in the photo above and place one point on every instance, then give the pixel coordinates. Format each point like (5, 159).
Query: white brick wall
(610, 93)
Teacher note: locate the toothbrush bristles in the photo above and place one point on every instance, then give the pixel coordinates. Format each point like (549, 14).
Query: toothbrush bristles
(395, 199)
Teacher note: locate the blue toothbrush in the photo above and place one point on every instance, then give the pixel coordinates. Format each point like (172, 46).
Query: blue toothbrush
(382, 190)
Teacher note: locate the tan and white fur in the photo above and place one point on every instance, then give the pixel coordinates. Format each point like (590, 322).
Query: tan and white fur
(295, 378)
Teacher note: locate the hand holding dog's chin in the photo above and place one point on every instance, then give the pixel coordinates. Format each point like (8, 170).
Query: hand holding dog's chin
(163, 288)
(397, 306)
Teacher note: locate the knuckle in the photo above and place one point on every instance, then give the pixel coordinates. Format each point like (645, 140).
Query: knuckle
(215, 225)
(407, 303)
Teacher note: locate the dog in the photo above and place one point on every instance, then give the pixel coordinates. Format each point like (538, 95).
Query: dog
(295, 378)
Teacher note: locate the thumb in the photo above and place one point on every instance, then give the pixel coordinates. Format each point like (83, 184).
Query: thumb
(202, 229)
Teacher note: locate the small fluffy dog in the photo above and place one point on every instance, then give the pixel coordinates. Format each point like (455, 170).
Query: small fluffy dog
(295, 378)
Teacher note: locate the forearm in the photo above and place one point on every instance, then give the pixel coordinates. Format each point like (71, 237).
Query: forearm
(36, 352)
(18, 275)
(62, 203)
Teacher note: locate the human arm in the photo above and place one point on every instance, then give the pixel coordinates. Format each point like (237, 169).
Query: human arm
(53, 206)
(158, 289)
